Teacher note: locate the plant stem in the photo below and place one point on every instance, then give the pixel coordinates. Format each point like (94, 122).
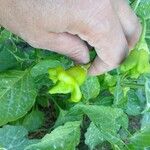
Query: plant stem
(135, 4)
(133, 85)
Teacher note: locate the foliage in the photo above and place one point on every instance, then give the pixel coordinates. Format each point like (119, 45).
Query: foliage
(35, 86)
(69, 139)
(14, 137)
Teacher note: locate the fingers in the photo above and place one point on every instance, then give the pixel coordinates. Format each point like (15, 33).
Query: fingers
(109, 41)
(63, 43)
(99, 67)
(128, 20)
(111, 51)
(109, 58)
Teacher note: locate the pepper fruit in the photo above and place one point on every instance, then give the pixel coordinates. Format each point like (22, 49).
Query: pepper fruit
(68, 81)
(137, 63)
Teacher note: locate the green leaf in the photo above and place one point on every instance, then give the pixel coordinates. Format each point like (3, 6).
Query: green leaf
(65, 137)
(145, 122)
(43, 100)
(43, 66)
(134, 106)
(14, 138)
(4, 35)
(106, 119)
(91, 88)
(147, 37)
(103, 100)
(147, 92)
(101, 115)
(93, 136)
(33, 120)
(142, 9)
(7, 59)
(141, 139)
(73, 114)
(17, 95)
(118, 94)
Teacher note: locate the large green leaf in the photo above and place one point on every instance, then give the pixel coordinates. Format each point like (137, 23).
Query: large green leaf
(101, 115)
(108, 120)
(11, 56)
(17, 95)
(7, 59)
(141, 139)
(91, 88)
(14, 138)
(43, 66)
(65, 137)
(93, 136)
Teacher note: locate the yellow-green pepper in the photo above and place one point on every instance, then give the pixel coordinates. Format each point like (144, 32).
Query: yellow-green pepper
(137, 63)
(68, 81)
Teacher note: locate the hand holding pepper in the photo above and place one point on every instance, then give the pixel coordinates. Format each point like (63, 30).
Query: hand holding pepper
(63, 25)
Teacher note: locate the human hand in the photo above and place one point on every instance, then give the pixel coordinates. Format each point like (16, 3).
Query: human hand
(62, 26)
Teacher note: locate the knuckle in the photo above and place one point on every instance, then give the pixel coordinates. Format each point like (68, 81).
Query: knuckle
(99, 26)
(134, 35)
(113, 61)
(75, 51)
(134, 30)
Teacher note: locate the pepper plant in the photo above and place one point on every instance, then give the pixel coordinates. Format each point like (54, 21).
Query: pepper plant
(47, 102)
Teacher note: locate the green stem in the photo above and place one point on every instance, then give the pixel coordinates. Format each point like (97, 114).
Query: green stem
(142, 43)
(13, 43)
(55, 103)
(38, 56)
(128, 132)
(133, 85)
(19, 59)
(87, 66)
(135, 4)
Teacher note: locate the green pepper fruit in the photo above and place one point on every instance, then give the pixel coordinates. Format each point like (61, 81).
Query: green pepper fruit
(68, 81)
(137, 63)
(54, 72)
(76, 94)
(130, 62)
(79, 73)
(143, 62)
(61, 87)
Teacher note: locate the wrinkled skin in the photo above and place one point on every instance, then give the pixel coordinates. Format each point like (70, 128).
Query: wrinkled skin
(63, 25)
